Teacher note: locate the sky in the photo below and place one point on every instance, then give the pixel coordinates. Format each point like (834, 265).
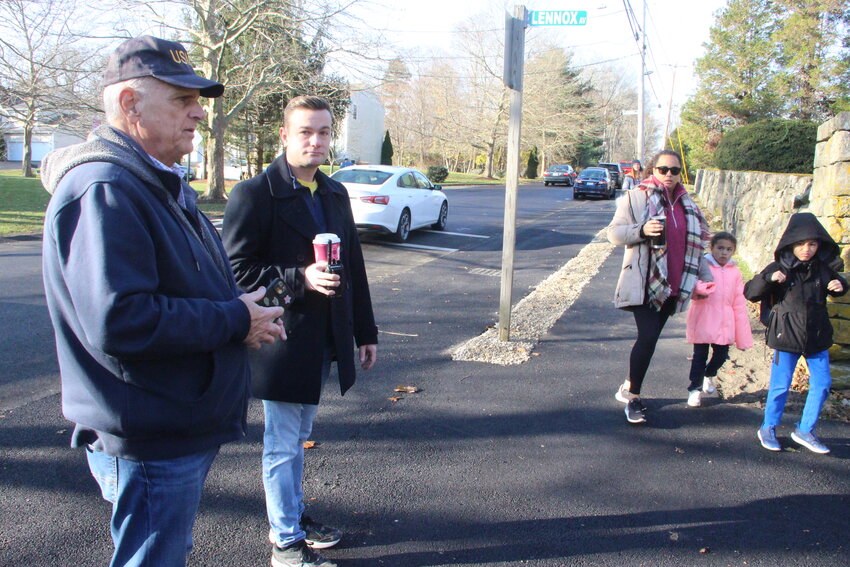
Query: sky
(676, 31)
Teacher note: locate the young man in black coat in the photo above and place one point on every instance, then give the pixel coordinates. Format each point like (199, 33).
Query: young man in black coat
(269, 226)
(796, 286)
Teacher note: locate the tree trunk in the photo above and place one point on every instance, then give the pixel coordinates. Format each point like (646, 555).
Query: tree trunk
(488, 166)
(260, 151)
(215, 153)
(26, 159)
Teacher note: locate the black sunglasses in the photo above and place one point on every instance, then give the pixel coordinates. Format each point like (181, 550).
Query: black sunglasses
(664, 169)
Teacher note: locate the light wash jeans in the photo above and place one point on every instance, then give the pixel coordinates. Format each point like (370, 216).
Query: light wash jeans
(288, 426)
(154, 504)
(781, 374)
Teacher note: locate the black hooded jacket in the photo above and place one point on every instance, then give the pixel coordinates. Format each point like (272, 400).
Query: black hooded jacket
(798, 320)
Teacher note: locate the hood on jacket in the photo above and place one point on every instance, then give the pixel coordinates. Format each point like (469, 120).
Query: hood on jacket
(104, 144)
(803, 226)
(709, 257)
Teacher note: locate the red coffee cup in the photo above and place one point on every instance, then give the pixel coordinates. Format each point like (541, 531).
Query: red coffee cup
(324, 242)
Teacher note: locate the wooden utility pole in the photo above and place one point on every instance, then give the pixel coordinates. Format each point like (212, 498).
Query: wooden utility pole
(639, 141)
(514, 63)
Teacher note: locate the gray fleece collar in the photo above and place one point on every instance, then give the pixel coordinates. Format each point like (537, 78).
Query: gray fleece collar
(104, 144)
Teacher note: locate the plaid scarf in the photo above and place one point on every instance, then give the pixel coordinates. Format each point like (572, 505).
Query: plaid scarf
(658, 288)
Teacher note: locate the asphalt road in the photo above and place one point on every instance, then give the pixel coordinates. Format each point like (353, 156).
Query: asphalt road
(487, 465)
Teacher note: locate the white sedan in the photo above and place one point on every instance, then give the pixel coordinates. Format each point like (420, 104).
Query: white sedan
(393, 200)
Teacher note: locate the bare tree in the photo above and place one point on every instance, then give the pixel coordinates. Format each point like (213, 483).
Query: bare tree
(45, 72)
(485, 122)
(253, 47)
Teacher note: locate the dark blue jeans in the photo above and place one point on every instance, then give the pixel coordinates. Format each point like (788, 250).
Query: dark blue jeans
(701, 369)
(154, 504)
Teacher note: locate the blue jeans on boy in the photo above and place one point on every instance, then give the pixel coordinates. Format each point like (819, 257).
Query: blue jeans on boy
(288, 426)
(154, 504)
(781, 374)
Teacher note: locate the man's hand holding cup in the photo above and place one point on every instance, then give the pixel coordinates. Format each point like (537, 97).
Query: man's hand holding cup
(321, 281)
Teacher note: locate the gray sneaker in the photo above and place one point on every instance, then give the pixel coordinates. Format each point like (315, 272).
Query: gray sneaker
(298, 555)
(320, 536)
(809, 441)
(635, 411)
(767, 436)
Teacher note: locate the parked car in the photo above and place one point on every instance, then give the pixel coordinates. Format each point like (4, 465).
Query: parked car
(559, 174)
(617, 173)
(626, 167)
(236, 170)
(186, 172)
(597, 181)
(393, 200)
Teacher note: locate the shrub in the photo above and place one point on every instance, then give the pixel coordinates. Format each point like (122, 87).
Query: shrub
(387, 150)
(775, 145)
(437, 173)
(531, 166)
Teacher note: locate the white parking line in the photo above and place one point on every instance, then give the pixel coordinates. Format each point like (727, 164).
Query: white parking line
(456, 233)
(417, 246)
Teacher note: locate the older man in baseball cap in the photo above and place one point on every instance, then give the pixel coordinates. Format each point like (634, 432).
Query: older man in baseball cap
(151, 329)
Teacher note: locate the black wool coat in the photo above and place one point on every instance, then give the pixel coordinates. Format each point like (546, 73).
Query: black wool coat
(268, 232)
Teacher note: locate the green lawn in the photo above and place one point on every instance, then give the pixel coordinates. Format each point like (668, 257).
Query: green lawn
(23, 201)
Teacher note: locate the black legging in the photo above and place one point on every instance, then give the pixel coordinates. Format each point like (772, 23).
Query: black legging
(649, 325)
(699, 368)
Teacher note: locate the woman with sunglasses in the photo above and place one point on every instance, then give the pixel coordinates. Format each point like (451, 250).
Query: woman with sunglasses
(659, 274)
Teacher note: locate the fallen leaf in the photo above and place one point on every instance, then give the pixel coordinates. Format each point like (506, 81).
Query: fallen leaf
(522, 349)
(407, 389)
(309, 444)
(396, 289)
(395, 398)
(535, 354)
(678, 450)
(61, 431)
(705, 550)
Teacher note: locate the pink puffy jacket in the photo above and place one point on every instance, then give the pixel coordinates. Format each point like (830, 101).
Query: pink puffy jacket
(721, 317)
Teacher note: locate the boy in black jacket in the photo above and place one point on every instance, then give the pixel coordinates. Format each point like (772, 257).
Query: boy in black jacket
(796, 285)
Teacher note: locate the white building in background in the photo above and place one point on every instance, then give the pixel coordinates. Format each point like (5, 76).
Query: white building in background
(45, 138)
(362, 131)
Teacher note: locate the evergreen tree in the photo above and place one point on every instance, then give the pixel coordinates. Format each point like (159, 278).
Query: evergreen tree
(531, 166)
(814, 40)
(737, 76)
(387, 150)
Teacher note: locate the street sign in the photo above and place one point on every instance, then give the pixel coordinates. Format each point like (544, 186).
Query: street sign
(557, 18)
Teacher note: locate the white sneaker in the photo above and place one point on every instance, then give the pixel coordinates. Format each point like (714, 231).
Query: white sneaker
(622, 394)
(695, 398)
(708, 385)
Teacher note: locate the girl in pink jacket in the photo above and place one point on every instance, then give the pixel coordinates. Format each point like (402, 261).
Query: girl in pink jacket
(717, 317)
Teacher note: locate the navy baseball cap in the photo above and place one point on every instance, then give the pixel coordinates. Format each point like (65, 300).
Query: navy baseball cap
(168, 61)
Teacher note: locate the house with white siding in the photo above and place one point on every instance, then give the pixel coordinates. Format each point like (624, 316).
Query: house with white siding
(362, 131)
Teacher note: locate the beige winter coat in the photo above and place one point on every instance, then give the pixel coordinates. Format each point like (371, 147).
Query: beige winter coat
(624, 230)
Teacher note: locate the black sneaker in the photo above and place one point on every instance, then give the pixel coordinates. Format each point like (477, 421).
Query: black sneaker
(635, 411)
(298, 555)
(320, 536)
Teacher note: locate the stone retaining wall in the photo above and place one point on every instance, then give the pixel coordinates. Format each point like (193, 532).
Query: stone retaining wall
(755, 207)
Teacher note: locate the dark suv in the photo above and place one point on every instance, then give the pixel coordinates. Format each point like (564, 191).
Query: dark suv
(617, 173)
